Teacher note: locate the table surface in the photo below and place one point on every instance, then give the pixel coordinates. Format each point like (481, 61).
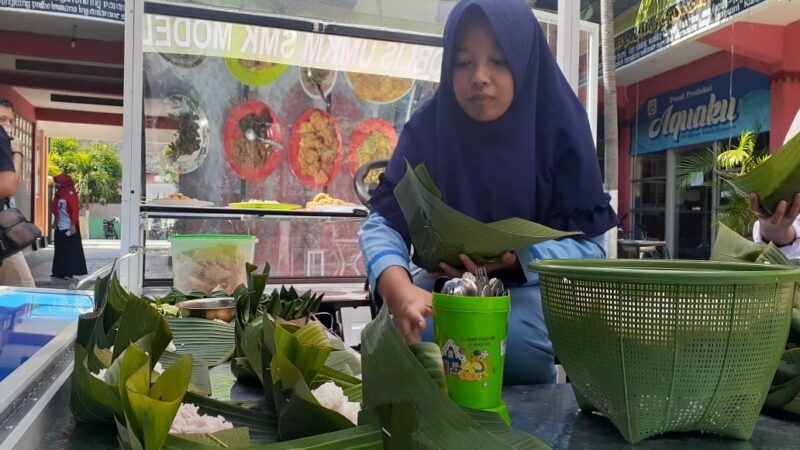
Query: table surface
(548, 412)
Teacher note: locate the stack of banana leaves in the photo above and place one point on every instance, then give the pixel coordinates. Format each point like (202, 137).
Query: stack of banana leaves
(785, 391)
(121, 377)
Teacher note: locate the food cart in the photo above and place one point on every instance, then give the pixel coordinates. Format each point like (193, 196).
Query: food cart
(236, 102)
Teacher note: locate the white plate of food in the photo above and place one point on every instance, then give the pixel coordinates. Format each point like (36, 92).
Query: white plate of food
(337, 208)
(179, 200)
(325, 203)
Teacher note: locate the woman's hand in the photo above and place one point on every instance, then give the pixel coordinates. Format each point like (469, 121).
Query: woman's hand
(409, 304)
(507, 261)
(73, 229)
(777, 228)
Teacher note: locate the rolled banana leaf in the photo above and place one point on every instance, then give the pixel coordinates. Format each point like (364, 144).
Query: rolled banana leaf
(776, 179)
(213, 342)
(440, 233)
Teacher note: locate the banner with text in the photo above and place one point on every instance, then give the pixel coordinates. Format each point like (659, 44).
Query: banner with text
(717, 108)
(113, 10)
(189, 36)
(679, 21)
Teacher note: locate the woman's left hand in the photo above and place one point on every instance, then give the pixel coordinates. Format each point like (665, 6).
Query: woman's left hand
(73, 229)
(507, 261)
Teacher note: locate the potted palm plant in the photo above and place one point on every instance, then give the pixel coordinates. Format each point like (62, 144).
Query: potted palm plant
(737, 160)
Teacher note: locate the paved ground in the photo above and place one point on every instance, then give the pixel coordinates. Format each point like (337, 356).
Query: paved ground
(98, 254)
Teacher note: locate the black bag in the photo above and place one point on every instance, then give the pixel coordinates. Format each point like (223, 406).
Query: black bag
(16, 233)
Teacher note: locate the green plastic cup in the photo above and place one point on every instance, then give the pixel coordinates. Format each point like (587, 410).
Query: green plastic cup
(471, 332)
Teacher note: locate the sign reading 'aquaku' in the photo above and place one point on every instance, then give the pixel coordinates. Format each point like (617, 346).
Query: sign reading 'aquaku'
(713, 109)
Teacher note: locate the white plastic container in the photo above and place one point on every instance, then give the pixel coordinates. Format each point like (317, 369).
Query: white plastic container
(210, 261)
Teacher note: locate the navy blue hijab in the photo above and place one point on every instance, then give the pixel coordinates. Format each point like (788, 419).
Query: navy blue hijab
(536, 162)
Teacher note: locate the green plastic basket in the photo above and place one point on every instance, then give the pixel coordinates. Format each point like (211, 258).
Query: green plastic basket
(660, 346)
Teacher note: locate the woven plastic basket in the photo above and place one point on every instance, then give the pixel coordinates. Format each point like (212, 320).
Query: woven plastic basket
(660, 346)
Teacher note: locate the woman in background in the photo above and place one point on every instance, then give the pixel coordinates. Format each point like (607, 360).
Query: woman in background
(68, 259)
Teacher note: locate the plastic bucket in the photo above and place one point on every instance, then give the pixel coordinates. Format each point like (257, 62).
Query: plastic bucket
(471, 332)
(208, 261)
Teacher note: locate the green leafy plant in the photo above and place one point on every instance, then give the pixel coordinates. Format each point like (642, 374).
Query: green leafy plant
(734, 210)
(96, 169)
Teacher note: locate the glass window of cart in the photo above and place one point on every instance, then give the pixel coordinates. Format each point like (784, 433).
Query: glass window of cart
(244, 113)
(425, 16)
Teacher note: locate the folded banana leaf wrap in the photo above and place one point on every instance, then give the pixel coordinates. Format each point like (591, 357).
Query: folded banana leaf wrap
(778, 178)
(440, 233)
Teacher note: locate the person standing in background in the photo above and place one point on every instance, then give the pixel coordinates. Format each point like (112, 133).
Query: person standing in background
(14, 270)
(68, 258)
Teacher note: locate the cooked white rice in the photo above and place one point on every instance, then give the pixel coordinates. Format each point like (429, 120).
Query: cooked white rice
(188, 420)
(331, 396)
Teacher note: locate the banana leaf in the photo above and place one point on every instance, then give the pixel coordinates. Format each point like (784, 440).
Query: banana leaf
(344, 361)
(289, 305)
(200, 380)
(250, 342)
(151, 408)
(730, 246)
(296, 357)
(261, 423)
(441, 233)
(91, 399)
(140, 319)
(430, 356)
(116, 300)
(785, 390)
(247, 328)
(175, 296)
(207, 340)
(774, 180)
(91, 335)
(365, 437)
(98, 328)
(234, 438)
(394, 375)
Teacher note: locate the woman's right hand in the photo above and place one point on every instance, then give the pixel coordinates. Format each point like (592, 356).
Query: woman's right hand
(779, 227)
(409, 304)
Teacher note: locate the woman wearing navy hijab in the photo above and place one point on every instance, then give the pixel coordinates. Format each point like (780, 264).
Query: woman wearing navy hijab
(504, 136)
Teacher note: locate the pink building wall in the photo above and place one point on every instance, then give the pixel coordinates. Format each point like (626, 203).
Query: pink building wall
(769, 49)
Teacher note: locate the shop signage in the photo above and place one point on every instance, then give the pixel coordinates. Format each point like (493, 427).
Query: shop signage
(95, 9)
(680, 21)
(204, 37)
(703, 112)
